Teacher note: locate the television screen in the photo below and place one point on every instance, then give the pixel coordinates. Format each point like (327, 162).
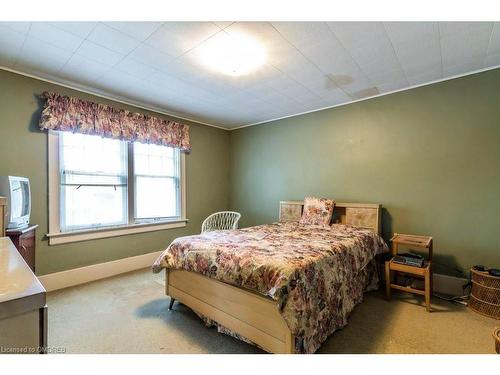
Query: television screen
(20, 198)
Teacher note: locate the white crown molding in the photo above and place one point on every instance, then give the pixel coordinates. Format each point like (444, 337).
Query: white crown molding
(370, 97)
(101, 94)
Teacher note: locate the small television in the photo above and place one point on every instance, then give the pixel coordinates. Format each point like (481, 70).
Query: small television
(18, 194)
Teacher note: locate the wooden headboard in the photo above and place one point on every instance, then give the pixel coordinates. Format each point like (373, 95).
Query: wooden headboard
(364, 215)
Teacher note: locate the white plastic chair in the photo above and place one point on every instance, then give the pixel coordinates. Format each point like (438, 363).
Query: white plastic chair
(221, 221)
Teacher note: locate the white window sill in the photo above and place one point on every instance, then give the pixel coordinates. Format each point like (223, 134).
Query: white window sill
(93, 234)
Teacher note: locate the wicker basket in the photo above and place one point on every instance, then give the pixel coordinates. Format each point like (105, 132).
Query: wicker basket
(496, 335)
(485, 294)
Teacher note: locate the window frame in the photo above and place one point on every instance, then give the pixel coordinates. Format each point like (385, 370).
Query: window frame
(55, 235)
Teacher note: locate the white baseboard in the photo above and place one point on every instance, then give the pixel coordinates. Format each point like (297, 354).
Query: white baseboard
(76, 276)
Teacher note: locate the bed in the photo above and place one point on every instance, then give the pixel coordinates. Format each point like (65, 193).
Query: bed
(284, 287)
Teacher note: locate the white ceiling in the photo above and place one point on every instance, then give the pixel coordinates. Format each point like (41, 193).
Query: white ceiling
(310, 65)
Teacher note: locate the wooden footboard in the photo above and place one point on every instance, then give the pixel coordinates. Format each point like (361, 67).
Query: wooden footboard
(249, 314)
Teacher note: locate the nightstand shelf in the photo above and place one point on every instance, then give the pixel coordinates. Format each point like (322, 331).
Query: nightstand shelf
(425, 272)
(408, 289)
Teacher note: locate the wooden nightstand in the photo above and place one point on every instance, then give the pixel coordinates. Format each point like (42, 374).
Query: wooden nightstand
(422, 242)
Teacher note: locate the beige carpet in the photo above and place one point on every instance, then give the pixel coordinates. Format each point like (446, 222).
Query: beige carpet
(128, 314)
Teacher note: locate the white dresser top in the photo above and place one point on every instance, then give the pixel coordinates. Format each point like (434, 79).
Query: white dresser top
(20, 289)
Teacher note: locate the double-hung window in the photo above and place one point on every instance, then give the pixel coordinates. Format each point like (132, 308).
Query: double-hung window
(93, 184)
(156, 174)
(101, 187)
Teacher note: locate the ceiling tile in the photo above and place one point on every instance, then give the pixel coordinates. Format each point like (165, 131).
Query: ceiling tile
(320, 84)
(290, 88)
(453, 28)
(430, 75)
(83, 70)
(11, 43)
(45, 56)
(223, 24)
(454, 53)
(185, 68)
(81, 29)
(417, 45)
(469, 65)
(113, 39)
(392, 86)
(406, 34)
(494, 45)
(118, 82)
(47, 33)
(491, 60)
(137, 30)
(151, 57)
(297, 66)
(274, 44)
(358, 35)
(135, 68)
(176, 38)
(369, 45)
(99, 54)
(454, 36)
(20, 27)
(333, 60)
(302, 34)
(334, 95)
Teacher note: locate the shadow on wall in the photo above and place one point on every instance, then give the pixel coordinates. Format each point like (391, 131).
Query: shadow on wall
(386, 225)
(447, 264)
(35, 118)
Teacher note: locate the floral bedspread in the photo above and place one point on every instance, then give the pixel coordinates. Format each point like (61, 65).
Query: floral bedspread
(316, 274)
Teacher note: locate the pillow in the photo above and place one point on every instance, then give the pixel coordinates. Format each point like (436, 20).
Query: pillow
(317, 211)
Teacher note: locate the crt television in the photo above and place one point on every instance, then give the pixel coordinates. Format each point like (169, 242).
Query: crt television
(18, 194)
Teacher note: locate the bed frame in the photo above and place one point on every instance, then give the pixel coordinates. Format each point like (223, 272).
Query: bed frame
(249, 314)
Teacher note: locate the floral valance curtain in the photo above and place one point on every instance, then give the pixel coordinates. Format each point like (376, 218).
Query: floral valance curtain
(63, 113)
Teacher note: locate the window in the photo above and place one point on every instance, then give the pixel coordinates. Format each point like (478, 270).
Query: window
(156, 174)
(93, 181)
(112, 187)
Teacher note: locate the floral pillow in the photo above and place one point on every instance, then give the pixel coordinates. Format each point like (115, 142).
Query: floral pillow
(317, 211)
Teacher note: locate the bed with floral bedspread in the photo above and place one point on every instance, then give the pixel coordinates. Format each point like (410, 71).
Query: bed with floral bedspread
(316, 274)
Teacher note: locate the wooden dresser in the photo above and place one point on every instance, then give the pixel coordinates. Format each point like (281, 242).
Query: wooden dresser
(24, 240)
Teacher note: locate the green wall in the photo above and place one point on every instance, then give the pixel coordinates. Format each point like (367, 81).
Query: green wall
(430, 156)
(23, 152)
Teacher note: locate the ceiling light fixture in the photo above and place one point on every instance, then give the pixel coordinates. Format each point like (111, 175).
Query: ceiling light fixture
(232, 54)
